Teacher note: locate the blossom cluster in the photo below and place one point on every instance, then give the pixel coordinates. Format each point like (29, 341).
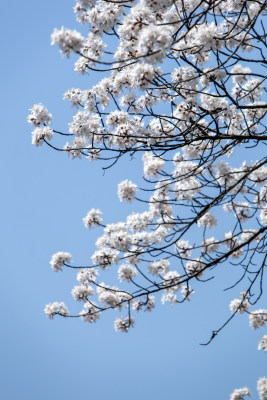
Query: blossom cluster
(179, 92)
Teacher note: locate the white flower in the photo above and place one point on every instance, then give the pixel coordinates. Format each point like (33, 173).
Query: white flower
(92, 218)
(109, 297)
(169, 296)
(210, 245)
(52, 309)
(186, 291)
(126, 191)
(240, 305)
(117, 118)
(86, 276)
(126, 272)
(58, 259)
(194, 267)
(105, 257)
(147, 305)
(262, 388)
(263, 343)
(82, 292)
(139, 222)
(239, 73)
(172, 280)
(238, 394)
(123, 324)
(142, 75)
(75, 149)
(67, 40)
(159, 267)
(152, 165)
(183, 247)
(207, 221)
(74, 96)
(263, 215)
(89, 313)
(153, 42)
(258, 318)
(40, 134)
(39, 115)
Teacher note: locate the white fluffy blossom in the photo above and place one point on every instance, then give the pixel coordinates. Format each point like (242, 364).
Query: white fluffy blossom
(262, 388)
(186, 292)
(238, 394)
(152, 165)
(127, 272)
(263, 343)
(184, 249)
(171, 280)
(159, 267)
(39, 115)
(263, 215)
(74, 150)
(89, 313)
(93, 217)
(239, 73)
(117, 118)
(146, 305)
(139, 222)
(240, 305)
(207, 221)
(126, 191)
(82, 292)
(194, 267)
(67, 40)
(52, 309)
(87, 276)
(105, 257)
(153, 42)
(169, 297)
(123, 324)
(58, 259)
(40, 134)
(210, 245)
(258, 318)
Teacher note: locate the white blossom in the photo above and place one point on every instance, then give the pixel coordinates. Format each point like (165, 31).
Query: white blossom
(240, 305)
(207, 221)
(159, 267)
(194, 267)
(262, 388)
(89, 313)
(123, 324)
(126, 191)
(186, 292)
(146, 305)
(67, 40)
(152, 165)
(126, 272)
(82, 292)
(171, 280)
(58, 259)
(258, 318)
(39, 115)
(87, 276)
(153, 41)
(52, 309)
(263, 343)
(105, 257)
(238, 394)
(40, 134)
(93, 217)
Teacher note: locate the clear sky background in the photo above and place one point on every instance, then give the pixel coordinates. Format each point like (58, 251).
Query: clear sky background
(44, 197)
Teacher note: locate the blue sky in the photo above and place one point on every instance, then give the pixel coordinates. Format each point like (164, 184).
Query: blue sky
(45, 195)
